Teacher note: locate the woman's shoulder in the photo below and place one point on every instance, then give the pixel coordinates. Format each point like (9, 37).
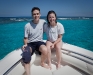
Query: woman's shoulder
(58, 23)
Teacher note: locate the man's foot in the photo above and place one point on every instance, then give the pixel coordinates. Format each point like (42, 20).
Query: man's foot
(58, 66)
(45, 66)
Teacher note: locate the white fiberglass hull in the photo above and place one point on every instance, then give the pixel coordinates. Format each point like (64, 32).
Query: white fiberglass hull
(71, 56)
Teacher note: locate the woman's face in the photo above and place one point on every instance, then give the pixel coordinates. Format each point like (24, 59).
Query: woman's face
(52, 18)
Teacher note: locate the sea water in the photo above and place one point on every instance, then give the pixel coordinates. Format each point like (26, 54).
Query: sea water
(78, 31)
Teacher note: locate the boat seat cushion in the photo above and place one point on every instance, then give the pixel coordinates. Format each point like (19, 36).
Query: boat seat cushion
(66, 70)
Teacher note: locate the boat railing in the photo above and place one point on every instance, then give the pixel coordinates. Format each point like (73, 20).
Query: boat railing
(68, 52)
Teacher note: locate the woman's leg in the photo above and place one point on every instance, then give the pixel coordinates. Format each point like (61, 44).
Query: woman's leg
(58, 53)
(48, 44)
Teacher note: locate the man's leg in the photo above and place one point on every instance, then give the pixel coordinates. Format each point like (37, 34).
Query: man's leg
(27, 65)
(43, 50)
(27, 68)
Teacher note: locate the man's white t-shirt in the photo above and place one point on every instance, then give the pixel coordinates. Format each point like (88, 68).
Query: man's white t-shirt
(53, 32)
(34, 32)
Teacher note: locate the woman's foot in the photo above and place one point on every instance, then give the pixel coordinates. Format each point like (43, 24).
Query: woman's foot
(58, 66)
(50, 66)
(45, 66)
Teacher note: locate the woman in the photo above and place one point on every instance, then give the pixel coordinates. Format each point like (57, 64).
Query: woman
(54, 31)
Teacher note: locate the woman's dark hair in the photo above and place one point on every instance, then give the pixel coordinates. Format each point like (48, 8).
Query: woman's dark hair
(48, 15)
(35, 8)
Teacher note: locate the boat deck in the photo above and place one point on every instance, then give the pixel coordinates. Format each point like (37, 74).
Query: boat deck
(36, 69)
(75, 61)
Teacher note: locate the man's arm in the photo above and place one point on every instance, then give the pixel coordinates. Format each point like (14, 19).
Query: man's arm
(44, 26)
(25, 35)
(25, 40)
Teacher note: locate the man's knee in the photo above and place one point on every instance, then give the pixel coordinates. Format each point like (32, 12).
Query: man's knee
(43, 50)
(26, 55)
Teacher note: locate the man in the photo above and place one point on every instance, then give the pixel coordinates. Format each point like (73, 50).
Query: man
(33, 38)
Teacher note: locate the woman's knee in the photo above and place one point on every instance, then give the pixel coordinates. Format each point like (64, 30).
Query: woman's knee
(57, 47)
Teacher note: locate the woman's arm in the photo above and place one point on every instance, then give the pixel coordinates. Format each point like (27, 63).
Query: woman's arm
(59, 39)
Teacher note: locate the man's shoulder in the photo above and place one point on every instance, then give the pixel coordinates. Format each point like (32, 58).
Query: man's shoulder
(27, 24)
(42, 20)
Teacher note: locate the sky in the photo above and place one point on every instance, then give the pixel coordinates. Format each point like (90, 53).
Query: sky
(17, 8)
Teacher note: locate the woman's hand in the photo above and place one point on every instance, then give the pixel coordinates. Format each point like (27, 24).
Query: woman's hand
(52, 46)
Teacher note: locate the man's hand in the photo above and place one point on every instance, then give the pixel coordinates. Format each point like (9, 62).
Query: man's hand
(24, 46)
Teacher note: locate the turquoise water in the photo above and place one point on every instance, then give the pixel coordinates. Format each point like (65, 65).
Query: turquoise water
(77, 32)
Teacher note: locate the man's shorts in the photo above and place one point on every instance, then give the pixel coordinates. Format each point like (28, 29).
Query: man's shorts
(34, 46)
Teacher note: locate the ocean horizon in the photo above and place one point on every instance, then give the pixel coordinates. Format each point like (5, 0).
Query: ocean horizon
(78, 31)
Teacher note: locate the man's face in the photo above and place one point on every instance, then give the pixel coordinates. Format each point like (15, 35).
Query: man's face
(36, 15)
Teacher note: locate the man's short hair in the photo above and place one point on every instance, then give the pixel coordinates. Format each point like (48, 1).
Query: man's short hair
(35, 8)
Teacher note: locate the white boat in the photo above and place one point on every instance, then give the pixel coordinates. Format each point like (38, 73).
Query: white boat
(75, 61)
